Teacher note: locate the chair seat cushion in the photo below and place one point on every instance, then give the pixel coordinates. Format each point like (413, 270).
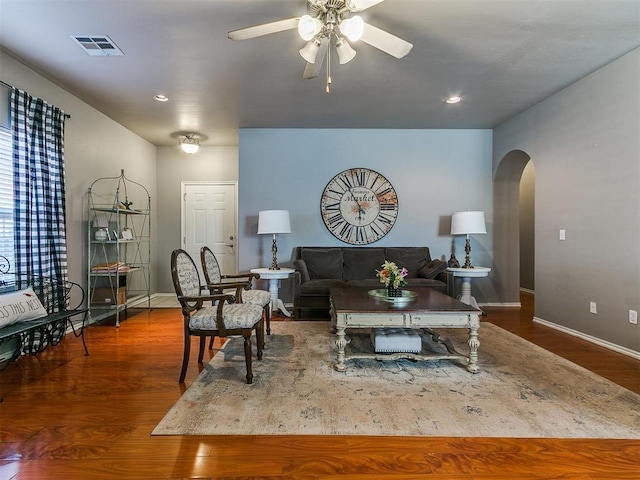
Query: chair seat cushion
(240, 315)
(256, 297)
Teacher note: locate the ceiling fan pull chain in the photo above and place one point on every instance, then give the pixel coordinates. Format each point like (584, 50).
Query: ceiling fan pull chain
(327, 90)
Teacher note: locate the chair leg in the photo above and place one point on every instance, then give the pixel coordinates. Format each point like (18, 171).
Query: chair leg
(213, 337)
(247, 354)
(267, 315)
(260, 338)
(203, 342)
(185, 356)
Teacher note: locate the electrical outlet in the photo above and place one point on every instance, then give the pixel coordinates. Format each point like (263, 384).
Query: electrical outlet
(593, 308)
(633, 317)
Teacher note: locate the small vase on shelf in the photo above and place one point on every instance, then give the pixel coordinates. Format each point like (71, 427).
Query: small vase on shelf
(394, 292)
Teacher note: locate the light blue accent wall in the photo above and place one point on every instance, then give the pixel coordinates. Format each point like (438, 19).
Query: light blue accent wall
(434, 172)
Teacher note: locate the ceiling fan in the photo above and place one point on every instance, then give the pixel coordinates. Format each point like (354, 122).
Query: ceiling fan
(326, 19)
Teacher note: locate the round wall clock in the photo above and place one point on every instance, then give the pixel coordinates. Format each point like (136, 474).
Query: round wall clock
(359, 206)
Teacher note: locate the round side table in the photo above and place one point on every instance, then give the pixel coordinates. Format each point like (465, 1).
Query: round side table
(467, 274)
(274, 276)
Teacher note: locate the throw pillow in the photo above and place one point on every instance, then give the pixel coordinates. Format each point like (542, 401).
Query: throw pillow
(433, 268)
(20, 306)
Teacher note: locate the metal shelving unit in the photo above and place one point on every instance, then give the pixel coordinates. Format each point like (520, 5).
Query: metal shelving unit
(119, 246)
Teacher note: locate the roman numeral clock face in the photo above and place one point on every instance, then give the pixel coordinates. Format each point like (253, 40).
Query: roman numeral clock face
(359, 206)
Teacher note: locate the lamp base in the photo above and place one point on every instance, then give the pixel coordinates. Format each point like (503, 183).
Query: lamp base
(467, 251)
(274, 258)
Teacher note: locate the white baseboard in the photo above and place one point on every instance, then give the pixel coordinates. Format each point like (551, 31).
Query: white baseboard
(589, 338)
(501, 304)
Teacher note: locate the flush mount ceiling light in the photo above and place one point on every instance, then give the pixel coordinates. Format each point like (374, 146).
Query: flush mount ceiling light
(161, 98)
(327, 19)
(190, 143)
(453, 100)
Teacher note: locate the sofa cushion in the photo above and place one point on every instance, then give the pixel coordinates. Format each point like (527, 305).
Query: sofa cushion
(361, 263)
(412, 258)
(323, 263)
(433, 268)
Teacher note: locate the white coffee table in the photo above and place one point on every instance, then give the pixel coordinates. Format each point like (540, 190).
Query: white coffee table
(354, 308)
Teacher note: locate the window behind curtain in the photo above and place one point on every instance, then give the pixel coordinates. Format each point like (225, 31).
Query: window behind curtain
(6, 179)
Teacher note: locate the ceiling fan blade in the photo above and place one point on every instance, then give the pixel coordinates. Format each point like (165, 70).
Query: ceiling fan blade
(312, 70)
(360, 5)
(385, 41)
(264, 29)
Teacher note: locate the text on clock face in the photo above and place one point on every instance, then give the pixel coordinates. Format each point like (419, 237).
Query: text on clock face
(359, 206)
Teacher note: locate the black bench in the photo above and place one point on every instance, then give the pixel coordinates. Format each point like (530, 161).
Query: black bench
(62, 300)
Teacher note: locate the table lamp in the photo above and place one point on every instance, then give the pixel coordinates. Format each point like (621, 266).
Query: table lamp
(467, 223)
(273, 222)
(101, 222)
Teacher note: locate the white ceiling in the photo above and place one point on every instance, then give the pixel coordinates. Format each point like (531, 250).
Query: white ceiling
(501, 56)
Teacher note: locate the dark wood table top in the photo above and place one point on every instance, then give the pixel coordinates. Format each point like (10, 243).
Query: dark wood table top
(358, 300)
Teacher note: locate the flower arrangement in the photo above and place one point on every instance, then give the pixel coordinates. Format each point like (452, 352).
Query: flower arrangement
(391, 275)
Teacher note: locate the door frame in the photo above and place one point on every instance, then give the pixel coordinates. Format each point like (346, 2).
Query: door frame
(183, 213)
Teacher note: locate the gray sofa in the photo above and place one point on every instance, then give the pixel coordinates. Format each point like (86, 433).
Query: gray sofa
(319, 269)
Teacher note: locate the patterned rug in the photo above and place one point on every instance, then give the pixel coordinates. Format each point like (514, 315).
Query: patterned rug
(522, 390)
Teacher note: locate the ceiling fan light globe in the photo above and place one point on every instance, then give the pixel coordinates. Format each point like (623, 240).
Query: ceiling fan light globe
(190, 148)
(190, 144)
(310, 51)
(308, 27)
(345, 52)
(352, 28)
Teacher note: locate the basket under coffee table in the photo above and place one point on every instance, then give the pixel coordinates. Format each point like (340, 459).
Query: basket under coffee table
(355, 308)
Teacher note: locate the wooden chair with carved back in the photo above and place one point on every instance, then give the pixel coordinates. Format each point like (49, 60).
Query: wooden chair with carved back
(213, 314)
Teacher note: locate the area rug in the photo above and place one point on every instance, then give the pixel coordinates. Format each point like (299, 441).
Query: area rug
(522, 390)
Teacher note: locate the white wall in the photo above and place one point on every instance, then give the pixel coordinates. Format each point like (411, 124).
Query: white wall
(434, 172)
(95, 146)
(585, 146)
(215, 164)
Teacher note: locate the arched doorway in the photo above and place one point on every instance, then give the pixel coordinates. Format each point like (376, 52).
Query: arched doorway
(506, 228)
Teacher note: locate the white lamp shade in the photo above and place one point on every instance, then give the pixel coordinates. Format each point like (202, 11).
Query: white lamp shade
(345, 52)
(464, 223)
(101, 220)
(352, 28)
(273, 221)
(310, 51)
(308, 27)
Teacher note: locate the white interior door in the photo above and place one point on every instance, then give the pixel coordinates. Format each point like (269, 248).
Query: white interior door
(209, 219)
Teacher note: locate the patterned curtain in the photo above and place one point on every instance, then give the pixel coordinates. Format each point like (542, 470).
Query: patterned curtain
(39, 187)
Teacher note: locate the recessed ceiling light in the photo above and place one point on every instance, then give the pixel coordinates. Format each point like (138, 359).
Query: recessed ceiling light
(453, 100)
(161, 98)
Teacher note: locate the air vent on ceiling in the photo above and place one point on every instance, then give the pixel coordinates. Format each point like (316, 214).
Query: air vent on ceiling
(98, 45)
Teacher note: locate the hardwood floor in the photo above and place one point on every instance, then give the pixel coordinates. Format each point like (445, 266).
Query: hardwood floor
(67, 416)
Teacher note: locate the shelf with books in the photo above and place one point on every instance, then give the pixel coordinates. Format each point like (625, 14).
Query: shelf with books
(119, 246)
